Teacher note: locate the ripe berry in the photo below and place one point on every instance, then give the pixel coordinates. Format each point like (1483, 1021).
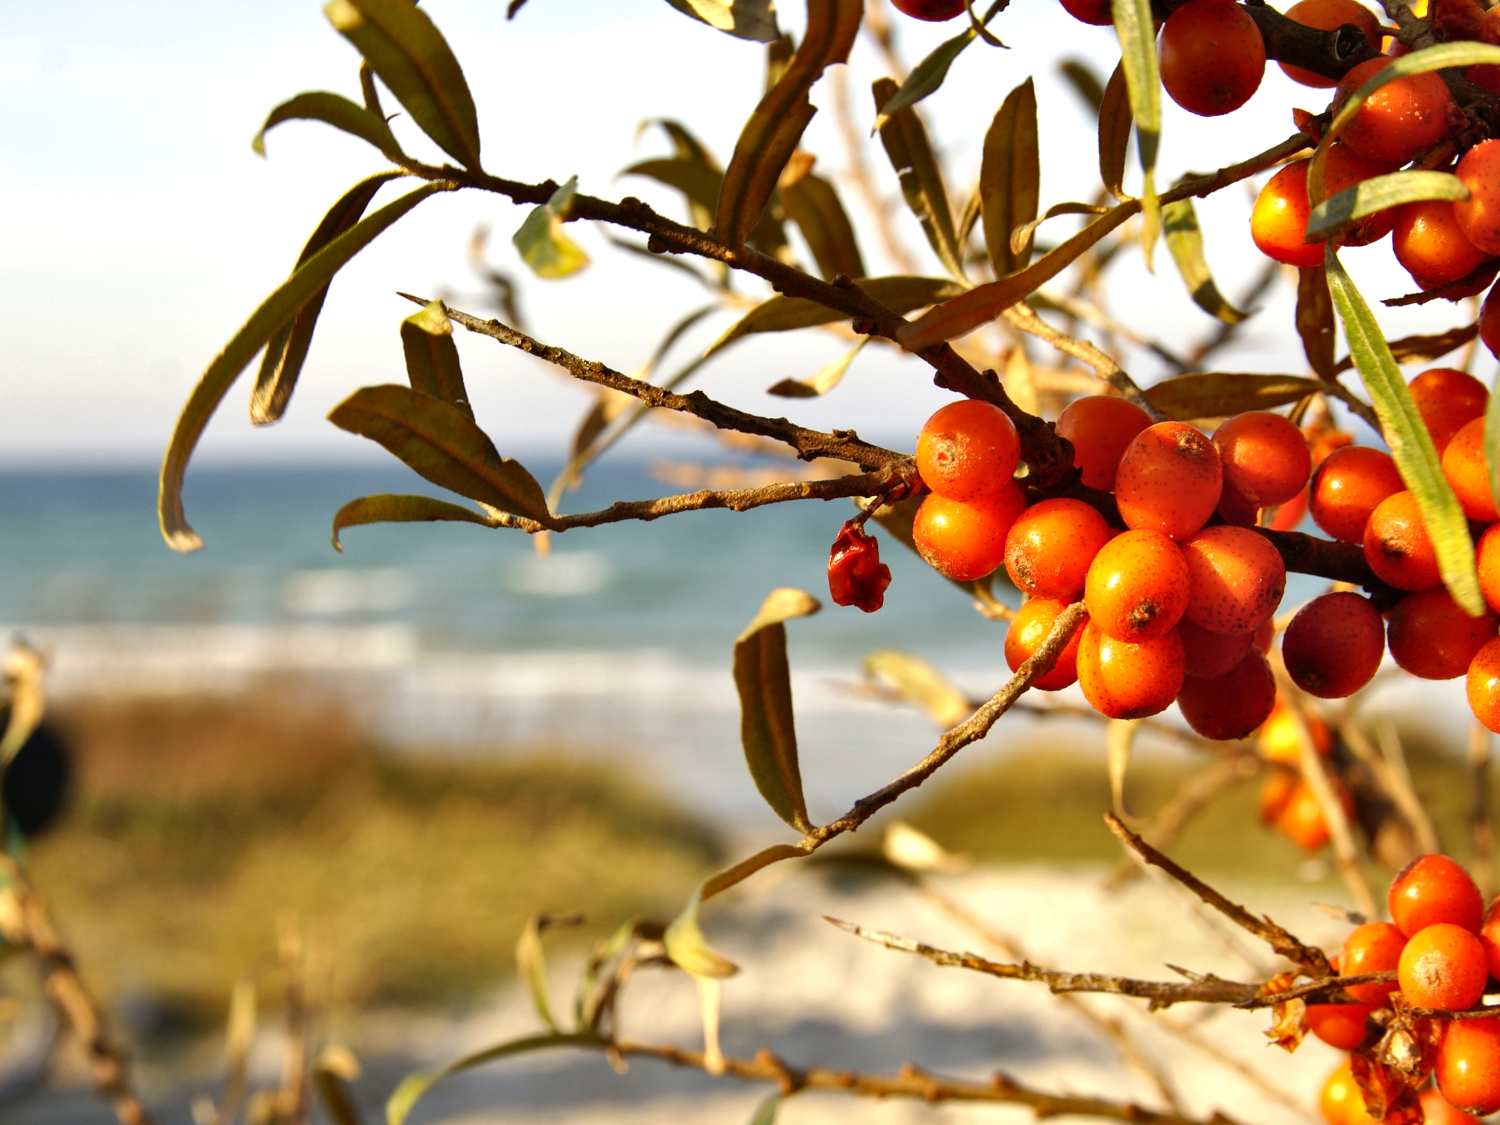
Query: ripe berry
(1479, 215)
(1436, 1109)
(1278, 221)
(1330, 15)
(1468, 1065)
(1137, 586)
(933, 10)
(1443, 966)
(1431, 636)
(1341, 1101)
(1100, 13)
(1464, 466)
(1049, 548)
(1209, 654)
(1404, 117)
(1028, 630)
(1432, 246)
(1129, 681)
(966, 542)
(1487, 560)
(1276, 793)
(1264, 456)
(1397, 545)
(1348, 486)
(1169, 479)
(1333, 646)
(1484, 685)
(1432, 889)
(1447, 399)
(1212, 57)
(1489, 321)
(1235, 579)
(1301, 819)
(968, 450)
(1339, 1025)
(1489, 937)
(1100, 427)
(1374, 947)
(1232, 705)
(1279, 740)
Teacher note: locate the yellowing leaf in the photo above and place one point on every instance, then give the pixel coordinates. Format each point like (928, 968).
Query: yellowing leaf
(543, 245)
(391, 508)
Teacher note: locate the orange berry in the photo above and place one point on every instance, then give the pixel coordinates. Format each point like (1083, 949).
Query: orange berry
(1489, 936)
(1403, 118)
(1265, 635)
(1347, 487)
(1479, 215)
(1049, 548)
(1280, 742)
(1447, 399)
(1489, 321)
(1339, 1025)
(1487, 560)
(1436, 1109)
(1232, 705)
(1100, 427)
(1430, 635)
(1374, 947)
(1333, 646)
(968, 450)
(1100, 13)
(1028, 629)
(1301, 818)
(1443, 966)
(1397, 545)
(1129, 681)
(1236, 508)
(1209, 654)
(1330, 15)
(1137, 586)
(1464, 466)
(1278, 221)
(1275, 794)
(1468, 1065)
(966, 541)
(1235, 579)
(1212, 57)
(1432, 889)
(1169, 479)
(1341, 1101)
(1264, 456)
(1484, 685)
(1286, 516)
(1432, 246)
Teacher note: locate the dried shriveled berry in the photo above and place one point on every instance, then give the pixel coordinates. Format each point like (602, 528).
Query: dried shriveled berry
(1333, 646)
(856, 576)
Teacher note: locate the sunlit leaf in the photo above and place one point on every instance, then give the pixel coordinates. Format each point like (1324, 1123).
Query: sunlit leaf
(335, 110)
(287, 350)
(1410, 444)
(768, 730)
(531, 963)
(905, 847)
(771, 134)
(920, 683)
(543, 244)
(432, 365)
(765, 1112)
(1119, 742)
(1314, 320)
(1010, 177)
(414, 1086)
(1115, 124)
(684, 939)
(1137, 32)
(813, 204)
(698, 182)
(387, 507)
(784, 314)
(275, 311)
(25, 701)
(442, 443)
(905, 141)
(1185, 242)
(410, 55)
(928, 75)
(1379, 193)
(827, 377)
(1217, 394)
(744, 19)
(335, 1069)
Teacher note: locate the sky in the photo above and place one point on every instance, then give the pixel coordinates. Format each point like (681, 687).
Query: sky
(138, 229)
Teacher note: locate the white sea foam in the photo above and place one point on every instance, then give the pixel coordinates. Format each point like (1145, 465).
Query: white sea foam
(338, 592)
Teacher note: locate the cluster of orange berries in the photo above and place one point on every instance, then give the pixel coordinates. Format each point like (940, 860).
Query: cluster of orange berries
(1287, 802)
(1444, 948)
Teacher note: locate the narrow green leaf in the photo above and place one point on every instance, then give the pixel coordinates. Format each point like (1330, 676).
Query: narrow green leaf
(408, 53)
(827, 377)
(904, 139)
(775, 127)
(1185, 242)
(768, 730)
(370, 92)
(414, 1086)
(744, 19)
(1137, 32)
(1411, 445)
(335, 110)
(1085, 82)
(531, 962)
(439, 441)
(387, 507)
(765, 1112)
(1115, 124)
(813, 204)
(1010, 177)
(928, 75)
(432, 365)
(542, 242)
(1379, 193)
(783, 314)
(689, 949)
(1217, 394)
(287, 350)
(1314, 319)
(920, 683)
(276, 310)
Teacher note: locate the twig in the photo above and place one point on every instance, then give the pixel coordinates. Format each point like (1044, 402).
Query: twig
(1277, 937)
(1481, 828)
(1025, 318)
(1388, 767)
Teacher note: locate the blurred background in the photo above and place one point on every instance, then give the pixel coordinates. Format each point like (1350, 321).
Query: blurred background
(399, 753)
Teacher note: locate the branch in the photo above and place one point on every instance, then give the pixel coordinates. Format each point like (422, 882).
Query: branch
(1281, 940)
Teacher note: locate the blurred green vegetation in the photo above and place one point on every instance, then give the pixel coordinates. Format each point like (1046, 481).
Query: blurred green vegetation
(200, 828)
